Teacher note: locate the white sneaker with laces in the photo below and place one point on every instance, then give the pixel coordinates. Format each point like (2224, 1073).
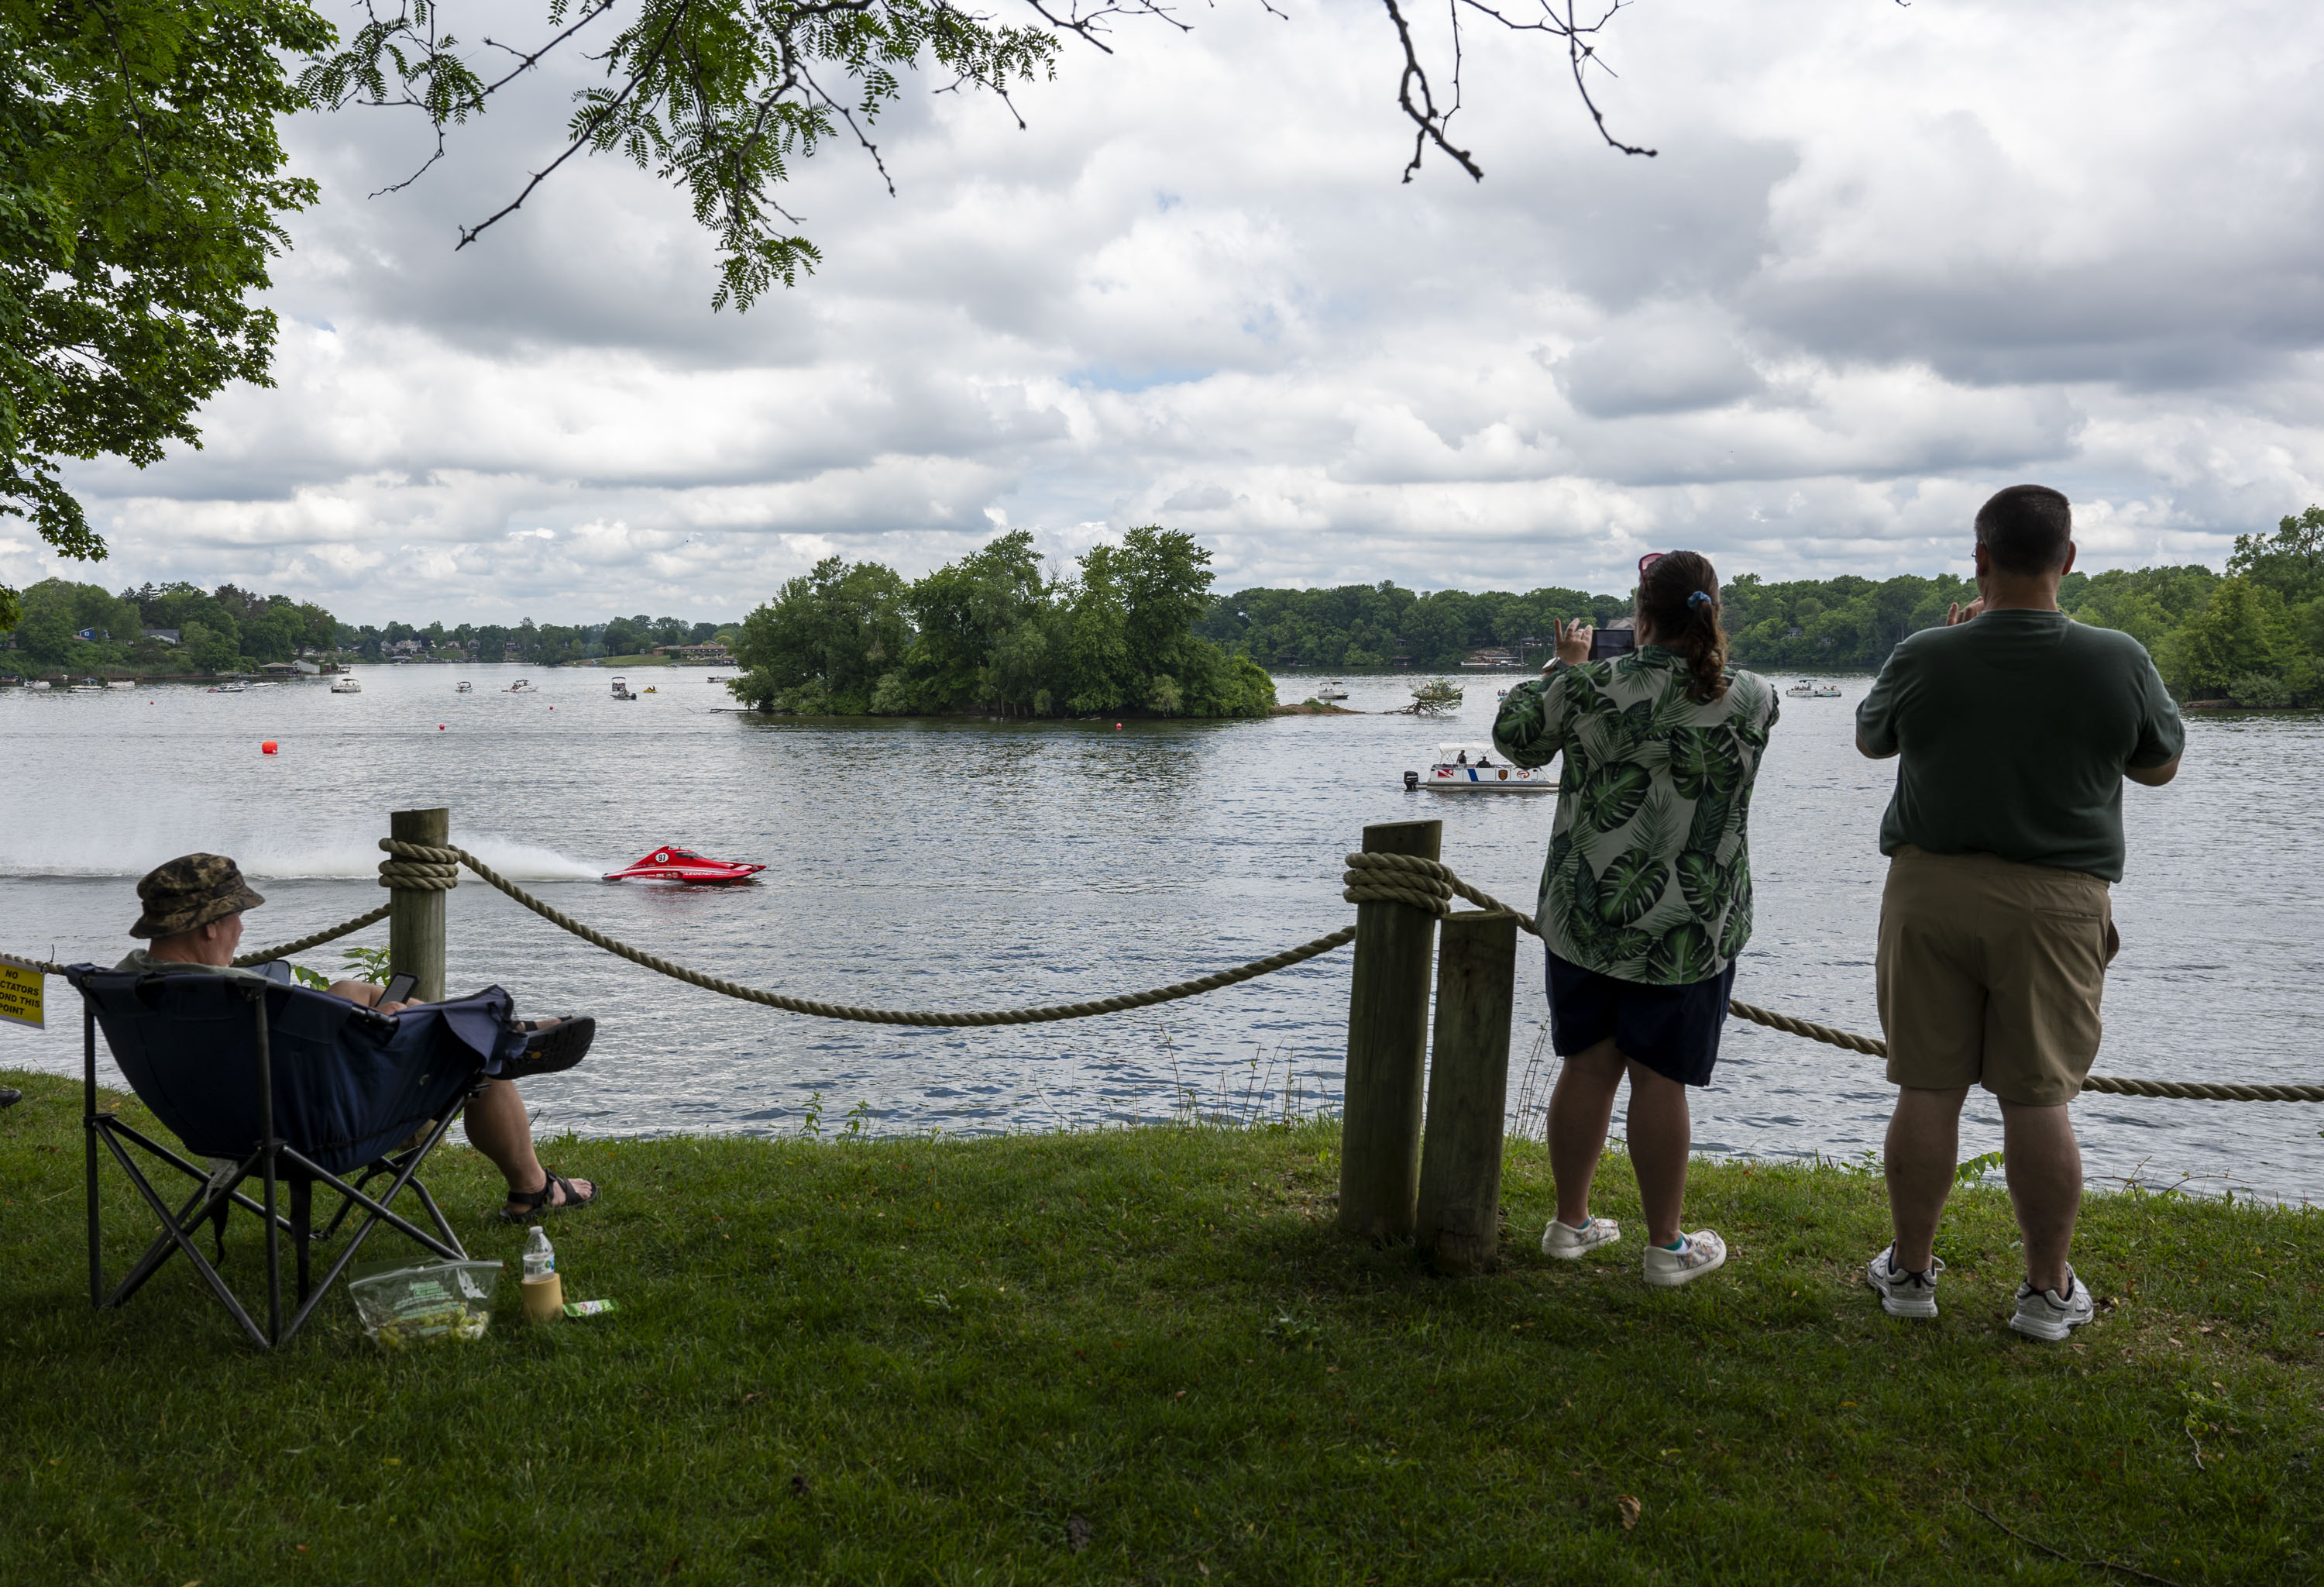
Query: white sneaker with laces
(1904, 1293)
(1703, 1253)
(2044, 1313)
(1565, 1241)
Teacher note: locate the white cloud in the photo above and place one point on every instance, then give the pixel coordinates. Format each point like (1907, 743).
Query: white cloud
(1887, 260)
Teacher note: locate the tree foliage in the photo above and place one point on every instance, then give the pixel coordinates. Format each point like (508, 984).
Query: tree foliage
(83, 628)
(993, 633)
(2254, 637)
(141, 188)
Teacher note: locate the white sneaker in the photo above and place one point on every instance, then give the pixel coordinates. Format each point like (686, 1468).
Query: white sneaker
(1904, 1293)
(2044, 1313)
(1563, 1240)
(1703, 1253)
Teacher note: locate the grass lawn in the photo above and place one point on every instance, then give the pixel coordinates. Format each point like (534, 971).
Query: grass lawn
(1147, 1356)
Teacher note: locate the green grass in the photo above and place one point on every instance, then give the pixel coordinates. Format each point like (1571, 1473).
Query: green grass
(635, 661)
(910, 1360)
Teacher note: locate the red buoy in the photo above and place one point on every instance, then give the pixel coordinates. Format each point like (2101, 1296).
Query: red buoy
(440, 727)
(267, 747)
(1117, 727)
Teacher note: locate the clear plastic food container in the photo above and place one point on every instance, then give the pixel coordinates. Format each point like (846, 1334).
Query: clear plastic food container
(427, 1302)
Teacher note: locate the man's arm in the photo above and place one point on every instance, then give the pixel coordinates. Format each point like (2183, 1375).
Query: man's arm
(2161, 731)
(1876, 716)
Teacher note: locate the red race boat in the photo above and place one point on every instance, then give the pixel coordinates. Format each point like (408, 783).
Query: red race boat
(673, 864)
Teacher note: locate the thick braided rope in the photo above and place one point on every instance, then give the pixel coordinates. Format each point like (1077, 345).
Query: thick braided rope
(773, 1000)
(406, 873)
(1361, 888)
(1425, 884)
(344, 929)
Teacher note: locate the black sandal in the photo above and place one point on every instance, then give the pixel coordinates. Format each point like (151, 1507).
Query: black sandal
(548, 1051)
(536, 1203)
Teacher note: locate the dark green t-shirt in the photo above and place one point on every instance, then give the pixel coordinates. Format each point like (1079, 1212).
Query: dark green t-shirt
(2015, 730)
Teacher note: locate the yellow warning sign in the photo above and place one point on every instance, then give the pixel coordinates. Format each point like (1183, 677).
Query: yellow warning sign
(20, 995)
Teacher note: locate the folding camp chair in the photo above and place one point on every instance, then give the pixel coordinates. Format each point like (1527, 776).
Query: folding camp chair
(293, 1086)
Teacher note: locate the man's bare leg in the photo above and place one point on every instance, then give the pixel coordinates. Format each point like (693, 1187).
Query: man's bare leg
(1581, 1106)
(498, 1128)
(1921, 1154)
(2044, 1163)
(1661, 1131)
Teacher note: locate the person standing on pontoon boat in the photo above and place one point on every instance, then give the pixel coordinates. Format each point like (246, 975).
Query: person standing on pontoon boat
(1647, 896)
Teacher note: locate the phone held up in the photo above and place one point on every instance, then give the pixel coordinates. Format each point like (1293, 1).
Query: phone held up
(398, 988)
(1606, 643)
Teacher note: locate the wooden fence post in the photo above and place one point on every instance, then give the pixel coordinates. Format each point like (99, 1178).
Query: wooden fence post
(1387, 1049)
(1468, 1093)
(415, 921)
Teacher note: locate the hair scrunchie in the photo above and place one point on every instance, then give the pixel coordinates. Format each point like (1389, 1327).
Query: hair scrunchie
(1699, 598)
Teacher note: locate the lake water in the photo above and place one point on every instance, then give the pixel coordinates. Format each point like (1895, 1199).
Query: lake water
(984, 864)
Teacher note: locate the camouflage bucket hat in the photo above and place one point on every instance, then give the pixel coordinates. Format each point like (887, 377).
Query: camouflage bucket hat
(190, 892)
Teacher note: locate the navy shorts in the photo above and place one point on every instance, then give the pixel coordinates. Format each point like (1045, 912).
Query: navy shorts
(1673, 1031)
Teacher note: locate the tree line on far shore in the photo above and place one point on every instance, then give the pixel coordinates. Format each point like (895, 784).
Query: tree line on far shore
(86, 629)
(2254, 636)
(994, 633)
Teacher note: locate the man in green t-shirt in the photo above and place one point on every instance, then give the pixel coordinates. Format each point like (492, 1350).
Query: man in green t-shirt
(2016, 726)
(192, 918)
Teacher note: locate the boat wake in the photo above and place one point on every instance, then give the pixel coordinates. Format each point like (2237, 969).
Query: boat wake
(272, 859)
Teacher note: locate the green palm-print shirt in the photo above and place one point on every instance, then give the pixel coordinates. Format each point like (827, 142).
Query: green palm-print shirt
(1649, 872)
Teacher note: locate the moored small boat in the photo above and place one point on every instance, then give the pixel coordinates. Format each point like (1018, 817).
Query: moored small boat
(1471, 769)
(345, 683)
(668, 864)
(1332, 689)
(1808, 688)
(621, 690)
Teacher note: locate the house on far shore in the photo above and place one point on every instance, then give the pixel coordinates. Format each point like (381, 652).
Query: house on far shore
(710, 655)
(167, 636)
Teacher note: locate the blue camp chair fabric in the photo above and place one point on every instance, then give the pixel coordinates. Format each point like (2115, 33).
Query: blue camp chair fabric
(349, 1089)
(348, 1083)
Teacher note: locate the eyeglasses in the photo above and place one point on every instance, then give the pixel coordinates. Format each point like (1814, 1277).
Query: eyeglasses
(1648, 560)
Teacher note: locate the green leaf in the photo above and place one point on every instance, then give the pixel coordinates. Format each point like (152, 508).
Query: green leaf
(1629, 887)
(1683, 954)
(1709, 825)
(1697, 761)
(1736, 931)
(1699, 879)
(1610, 795)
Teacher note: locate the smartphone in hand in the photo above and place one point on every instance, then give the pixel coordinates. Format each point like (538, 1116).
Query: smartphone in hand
(398, 988)
(1606, 643)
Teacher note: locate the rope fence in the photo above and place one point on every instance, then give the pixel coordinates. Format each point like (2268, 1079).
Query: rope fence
(1426, 885)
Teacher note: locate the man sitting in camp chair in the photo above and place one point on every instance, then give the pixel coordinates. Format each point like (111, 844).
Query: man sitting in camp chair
(193, 917)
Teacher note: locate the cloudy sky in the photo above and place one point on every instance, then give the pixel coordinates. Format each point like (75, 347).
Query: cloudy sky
(1888, 259)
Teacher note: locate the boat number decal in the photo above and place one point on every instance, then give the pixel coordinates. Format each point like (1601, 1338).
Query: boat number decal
(661, 859)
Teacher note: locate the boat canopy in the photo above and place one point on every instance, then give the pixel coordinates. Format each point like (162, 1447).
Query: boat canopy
(1447, 754)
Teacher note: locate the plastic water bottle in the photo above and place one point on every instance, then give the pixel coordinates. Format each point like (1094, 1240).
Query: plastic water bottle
(539, 1256)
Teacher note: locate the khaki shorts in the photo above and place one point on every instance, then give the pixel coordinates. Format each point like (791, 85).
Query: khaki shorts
(1990, 973)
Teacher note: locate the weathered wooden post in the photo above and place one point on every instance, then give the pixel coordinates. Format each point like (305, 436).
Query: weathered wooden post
(1387, 1048)
(415, 921)
(1467, 1092)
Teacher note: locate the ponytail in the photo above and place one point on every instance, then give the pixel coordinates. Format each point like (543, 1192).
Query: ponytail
(1679, 596)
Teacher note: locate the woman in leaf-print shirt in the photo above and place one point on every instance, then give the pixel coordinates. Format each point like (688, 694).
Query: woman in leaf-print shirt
(1647, 896)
